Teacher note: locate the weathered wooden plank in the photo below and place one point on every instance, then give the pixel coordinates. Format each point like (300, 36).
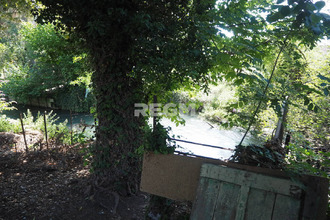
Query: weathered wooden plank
(316, 198)
(286, 208)
(245, 178)
(242, 200)
(227, 201)
(259, 205)
(204, 205)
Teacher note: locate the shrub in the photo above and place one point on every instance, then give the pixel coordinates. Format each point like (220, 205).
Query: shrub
(9, 125)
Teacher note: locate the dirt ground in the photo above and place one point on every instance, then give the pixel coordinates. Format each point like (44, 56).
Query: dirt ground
(54, 184)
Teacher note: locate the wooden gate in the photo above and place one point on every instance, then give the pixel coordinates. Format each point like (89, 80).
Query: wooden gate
(228, 193)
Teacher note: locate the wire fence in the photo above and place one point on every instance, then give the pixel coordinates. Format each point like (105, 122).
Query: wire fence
(205, 145)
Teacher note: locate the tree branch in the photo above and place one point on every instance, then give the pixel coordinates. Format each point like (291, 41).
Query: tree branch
(264, 92)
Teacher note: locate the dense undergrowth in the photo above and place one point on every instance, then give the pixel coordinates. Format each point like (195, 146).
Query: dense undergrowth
(58, 132)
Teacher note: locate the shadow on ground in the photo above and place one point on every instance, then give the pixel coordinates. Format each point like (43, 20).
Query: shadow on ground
(53, 184)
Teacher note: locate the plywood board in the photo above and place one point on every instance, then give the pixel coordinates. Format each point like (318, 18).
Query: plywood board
(172, 176)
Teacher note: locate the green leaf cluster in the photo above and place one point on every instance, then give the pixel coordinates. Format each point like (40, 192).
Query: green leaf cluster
(41, 62)
(158, 140)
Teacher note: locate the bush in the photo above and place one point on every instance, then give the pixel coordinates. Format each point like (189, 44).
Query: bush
(212, 105)
(59, 132)
(9, 125)
(158, 140)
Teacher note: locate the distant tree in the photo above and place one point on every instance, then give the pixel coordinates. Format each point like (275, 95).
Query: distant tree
(41, 62)
(13, 11)
(267, 41)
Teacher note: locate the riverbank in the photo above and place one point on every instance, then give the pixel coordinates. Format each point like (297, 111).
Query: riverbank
(62, 115)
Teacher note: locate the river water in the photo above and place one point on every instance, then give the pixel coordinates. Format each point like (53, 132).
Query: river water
(199, 131)
(195, 130)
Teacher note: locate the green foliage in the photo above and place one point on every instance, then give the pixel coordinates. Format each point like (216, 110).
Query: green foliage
(9, 125)
(302, 78)
(215, 102)
(212, 105)
(303, 159)
(172, 42)
(55, 131)
(293, 81)
(13, 12)
(4, 105)
(77, 98)
(41, 63)
(157, 140)
(5, 123)
(261, 156)
(79, 137)
(59, 133)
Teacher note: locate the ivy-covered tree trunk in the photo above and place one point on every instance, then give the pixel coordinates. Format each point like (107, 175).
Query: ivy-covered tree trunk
(119, 132)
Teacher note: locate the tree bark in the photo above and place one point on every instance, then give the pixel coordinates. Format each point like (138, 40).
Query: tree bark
(119, 132)
(279, 133)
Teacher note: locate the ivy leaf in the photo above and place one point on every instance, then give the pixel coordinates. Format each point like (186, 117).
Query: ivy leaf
(299, 19)
(275, 6)
(291, 2)
(315, 19)
(325, 16)
(323, 78)
(285, 10)
(326, 91)
(238, 81)
(306, 102)
(274, 17)
(311, 6)
(230, 75)
(319, 5)
(278, 109)
(310, 106)
(317, 30)
(235, 105)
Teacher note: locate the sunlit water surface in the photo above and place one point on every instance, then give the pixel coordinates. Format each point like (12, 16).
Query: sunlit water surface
(195, 130)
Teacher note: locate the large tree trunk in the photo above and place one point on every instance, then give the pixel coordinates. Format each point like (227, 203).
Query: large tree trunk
(119, 132)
